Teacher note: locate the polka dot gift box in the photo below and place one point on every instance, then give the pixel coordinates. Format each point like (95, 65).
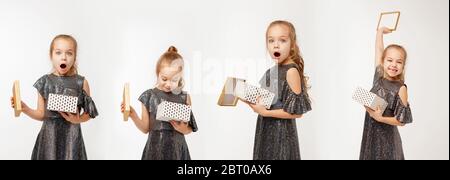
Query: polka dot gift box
(62, 103)
(369, 99)
(251, 93)
(168, 111)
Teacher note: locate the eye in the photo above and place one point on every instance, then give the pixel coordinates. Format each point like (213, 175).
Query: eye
(175, 80)
(389, 60)
(58, 53)
(283, 40)
(69, 53)
(271, 41)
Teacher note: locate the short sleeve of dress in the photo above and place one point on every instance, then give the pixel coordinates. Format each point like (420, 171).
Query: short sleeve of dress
(402, 112)
(193, 123)
(378, 75)
(40, 86)
(295, 103)
(88, 104)
(146, 99)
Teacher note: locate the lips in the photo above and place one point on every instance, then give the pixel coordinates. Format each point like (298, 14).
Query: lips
(63, 66)
(393, 70)
(277, 54)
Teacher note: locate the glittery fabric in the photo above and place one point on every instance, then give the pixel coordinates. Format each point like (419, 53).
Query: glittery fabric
(59, 139)
(164, 142)
(382, 141)
(277, 139)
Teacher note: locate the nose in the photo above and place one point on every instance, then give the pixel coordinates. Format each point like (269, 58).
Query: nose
(276, 45)
(167, 85)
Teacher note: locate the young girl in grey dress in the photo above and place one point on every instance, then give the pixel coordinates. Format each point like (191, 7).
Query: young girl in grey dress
(276, 135)
(381, 139)
(60, 137)
(166, 140)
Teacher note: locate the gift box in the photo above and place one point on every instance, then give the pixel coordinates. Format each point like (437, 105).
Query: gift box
(126, 101)
(369, 99)
(227, 97)
(62, 103)
(16, 99)
(168, 111)
(251, 94)
(389, 20)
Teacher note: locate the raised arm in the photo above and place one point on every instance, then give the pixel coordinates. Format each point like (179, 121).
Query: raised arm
(379, 45)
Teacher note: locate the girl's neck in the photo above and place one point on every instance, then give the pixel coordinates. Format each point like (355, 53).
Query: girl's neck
(62, 75)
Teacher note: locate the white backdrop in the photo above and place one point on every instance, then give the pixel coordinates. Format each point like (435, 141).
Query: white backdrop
(120, 41)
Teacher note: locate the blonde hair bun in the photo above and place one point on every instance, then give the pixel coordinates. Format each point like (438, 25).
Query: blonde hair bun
(172, 49)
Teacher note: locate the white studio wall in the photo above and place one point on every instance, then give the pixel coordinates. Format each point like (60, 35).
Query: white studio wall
(120, 41)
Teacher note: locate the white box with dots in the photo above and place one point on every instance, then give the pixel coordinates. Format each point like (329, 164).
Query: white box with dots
(251, 93)
(62, 103)
(168, 111)
(369, 99)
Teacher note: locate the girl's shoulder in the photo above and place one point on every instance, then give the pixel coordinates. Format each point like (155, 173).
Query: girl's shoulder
(151, 91)
(44, 77)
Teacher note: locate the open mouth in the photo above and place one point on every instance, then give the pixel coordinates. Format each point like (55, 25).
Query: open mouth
(393, 70)
(277, 54)
(63, 66)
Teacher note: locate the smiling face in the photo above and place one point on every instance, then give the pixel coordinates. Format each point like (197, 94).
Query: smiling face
(169, 76)
(279, 42)
(63, 56)
(394, 63)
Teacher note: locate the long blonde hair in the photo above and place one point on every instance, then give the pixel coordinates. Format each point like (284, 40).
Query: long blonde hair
(169, 58)
(294, 53)
(74, 69)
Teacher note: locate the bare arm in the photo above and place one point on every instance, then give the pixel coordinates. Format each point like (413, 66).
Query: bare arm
(36, 114)
(379, 45)
(142, 124)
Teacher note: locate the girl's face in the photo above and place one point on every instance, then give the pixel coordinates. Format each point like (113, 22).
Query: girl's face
(169, 78)
(278, 43)
(393, 63)
(63, 56)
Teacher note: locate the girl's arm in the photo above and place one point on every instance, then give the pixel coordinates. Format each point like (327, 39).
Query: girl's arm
(183, 127)
(142, 124)
(378, 115)
(293, 79)
(37, 114)
(77, 118)
(379, 45)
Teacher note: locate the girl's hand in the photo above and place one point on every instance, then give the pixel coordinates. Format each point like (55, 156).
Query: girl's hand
(375, 114)
(181, 127)
(24, 106)
(122, 109)
(258, 108)
(384, 30)
(72, 118)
